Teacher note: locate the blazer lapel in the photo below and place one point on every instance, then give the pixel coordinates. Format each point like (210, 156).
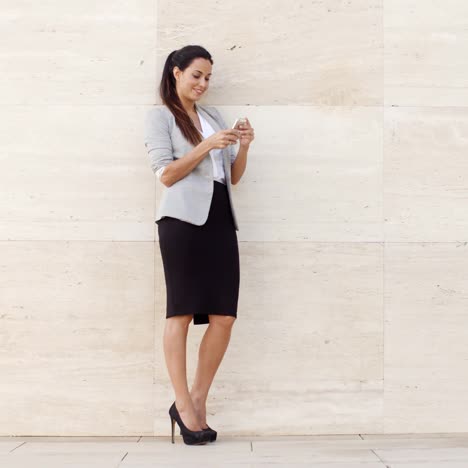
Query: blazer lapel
(213, 122)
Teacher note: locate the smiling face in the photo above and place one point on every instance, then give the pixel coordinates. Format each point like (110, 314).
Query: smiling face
(193, 82)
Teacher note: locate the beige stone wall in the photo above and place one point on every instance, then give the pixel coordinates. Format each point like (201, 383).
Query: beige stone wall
(353, 216)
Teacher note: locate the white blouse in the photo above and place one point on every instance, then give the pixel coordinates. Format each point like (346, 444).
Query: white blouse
(216, 153)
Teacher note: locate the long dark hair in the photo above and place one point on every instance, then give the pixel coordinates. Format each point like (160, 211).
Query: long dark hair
(181, 58)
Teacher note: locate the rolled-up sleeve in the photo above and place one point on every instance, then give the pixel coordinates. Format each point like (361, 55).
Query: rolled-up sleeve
(157, 140)
(232, 148)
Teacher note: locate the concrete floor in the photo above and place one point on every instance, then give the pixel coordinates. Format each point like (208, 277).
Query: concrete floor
(327, 451)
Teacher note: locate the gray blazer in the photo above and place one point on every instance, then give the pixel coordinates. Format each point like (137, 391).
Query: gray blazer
(189, 199)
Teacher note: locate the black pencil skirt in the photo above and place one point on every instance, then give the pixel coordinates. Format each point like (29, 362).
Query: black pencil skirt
(201, 263)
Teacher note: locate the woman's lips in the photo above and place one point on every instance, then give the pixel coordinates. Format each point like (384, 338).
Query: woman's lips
(197, 91)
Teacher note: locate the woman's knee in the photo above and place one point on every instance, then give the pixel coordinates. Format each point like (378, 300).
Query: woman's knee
(226, 321)
(179, 320)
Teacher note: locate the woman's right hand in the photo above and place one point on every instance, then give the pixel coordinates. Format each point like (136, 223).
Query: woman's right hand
(223, 138)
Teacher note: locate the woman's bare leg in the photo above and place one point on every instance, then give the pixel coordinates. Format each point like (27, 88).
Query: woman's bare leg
(212, 349)
(175, 346)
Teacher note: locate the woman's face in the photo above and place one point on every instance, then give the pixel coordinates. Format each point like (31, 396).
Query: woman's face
(193, 82)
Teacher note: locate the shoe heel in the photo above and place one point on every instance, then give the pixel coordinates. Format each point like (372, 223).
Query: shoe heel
(173, 421)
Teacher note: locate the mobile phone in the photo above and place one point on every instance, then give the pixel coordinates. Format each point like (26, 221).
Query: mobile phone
(239, 121)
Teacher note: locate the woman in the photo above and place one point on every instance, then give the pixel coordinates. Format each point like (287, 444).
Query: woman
(191, 152)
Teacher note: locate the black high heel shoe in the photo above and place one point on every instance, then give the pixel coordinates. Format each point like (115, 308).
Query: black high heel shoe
(190, 437)
(211, 432)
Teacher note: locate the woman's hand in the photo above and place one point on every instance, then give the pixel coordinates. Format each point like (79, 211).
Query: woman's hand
(247, 134)
(223, 138)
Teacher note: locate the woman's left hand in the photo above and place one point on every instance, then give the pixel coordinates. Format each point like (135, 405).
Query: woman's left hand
(247, 134)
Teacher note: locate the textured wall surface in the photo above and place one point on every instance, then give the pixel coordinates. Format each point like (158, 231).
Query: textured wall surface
(353, 311)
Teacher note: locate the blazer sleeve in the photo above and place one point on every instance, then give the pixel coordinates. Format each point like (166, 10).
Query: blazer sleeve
(157, 138)
(232, 148)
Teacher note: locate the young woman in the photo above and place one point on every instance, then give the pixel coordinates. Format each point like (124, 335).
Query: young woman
(191, 152)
